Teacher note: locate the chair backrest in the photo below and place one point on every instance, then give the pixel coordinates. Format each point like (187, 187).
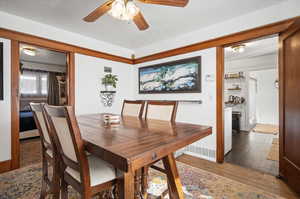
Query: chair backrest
(68, 138)
(161, 110)
(133, 108)
(42, 125)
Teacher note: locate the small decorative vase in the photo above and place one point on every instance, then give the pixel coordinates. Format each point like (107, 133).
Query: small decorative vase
(108, 87)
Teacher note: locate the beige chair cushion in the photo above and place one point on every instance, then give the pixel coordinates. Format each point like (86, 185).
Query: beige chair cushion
(100, 171)
(131, 109)
(64, 136)
(42, 123)
(160, 112)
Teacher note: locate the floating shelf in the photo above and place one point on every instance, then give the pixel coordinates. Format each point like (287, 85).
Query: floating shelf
(234, 89)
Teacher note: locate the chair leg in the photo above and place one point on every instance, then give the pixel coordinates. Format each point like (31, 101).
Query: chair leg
(56, 180)
(144, 183)
(115, 191)
(64, 189)
(44, 176)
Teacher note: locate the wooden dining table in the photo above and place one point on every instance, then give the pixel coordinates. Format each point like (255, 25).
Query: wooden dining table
(135, 143)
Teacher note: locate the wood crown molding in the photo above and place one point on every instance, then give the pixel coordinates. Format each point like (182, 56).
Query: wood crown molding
(261, 31)
(250, 34)
(59, 46)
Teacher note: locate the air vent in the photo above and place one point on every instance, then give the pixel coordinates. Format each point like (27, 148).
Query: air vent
(205, 153)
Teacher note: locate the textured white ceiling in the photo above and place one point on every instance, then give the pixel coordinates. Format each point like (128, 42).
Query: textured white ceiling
(44, 56)
(254, 49)
(165, 22)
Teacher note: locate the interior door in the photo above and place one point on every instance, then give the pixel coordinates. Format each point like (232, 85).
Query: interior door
(289, 75)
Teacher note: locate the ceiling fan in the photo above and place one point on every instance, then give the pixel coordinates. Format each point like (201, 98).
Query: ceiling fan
(127, 10)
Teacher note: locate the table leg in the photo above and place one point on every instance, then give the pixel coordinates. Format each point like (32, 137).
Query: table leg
(175, 185)
(127, 186)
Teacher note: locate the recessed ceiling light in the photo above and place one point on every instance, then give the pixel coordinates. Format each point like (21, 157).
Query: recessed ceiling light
(29, 51)
(238, 48)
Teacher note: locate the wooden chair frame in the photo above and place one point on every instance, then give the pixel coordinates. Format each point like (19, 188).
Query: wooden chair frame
(53, 183)
(141, 102)
(164, 103)
(144, 175)
(82, 166)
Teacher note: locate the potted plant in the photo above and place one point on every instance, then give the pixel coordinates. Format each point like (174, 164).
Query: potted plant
(110, 81)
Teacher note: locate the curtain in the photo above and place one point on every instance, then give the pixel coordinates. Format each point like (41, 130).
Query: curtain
(34, 83)
(53, 90)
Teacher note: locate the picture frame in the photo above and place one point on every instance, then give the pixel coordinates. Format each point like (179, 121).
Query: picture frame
(180, 76)
(1, 72)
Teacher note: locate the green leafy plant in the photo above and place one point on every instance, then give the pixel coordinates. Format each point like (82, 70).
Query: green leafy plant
(110, 79)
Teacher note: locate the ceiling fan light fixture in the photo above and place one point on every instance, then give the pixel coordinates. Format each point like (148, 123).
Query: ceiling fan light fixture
(123, 11)
(132, 9)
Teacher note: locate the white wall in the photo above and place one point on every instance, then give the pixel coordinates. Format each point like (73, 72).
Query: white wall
(286, 9)
(24, 25)
(267, 97)
(205, 113)
(5, 114)
(88, 74)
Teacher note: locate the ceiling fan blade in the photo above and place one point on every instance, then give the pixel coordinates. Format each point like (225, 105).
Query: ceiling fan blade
(177, 3)
(140, 21)
(98, 12)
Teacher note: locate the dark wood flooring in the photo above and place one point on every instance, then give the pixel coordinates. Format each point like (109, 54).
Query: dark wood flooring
(251, 150)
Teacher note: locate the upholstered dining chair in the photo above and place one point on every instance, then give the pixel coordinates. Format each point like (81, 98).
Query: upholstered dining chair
(133, 108)
(49, 153)
(87, 174)
(157, 110)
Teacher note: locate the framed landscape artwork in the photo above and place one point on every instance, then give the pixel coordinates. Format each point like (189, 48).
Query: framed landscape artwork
(181, 76)
(1, 71)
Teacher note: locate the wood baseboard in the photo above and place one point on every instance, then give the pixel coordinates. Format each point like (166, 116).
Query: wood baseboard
(5, 166)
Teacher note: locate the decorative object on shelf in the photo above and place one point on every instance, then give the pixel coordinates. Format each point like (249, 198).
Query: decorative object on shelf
(62, 91)
(181, 76)
(238, 75)
(235, 87)
(235, 100)
(111, 119)
(110, 81)
(107, 98)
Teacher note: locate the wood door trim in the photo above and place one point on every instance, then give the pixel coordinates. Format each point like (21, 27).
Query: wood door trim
(220, 107)
(250, 34)
(15, 106)
(59, 46)
(5, 166)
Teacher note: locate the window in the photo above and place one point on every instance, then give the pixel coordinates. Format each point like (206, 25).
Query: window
(34, 83)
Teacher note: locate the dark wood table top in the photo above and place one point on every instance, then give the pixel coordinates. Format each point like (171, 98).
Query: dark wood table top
(136, 142)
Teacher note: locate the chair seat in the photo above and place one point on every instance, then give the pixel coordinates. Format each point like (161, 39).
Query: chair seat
(100, 171)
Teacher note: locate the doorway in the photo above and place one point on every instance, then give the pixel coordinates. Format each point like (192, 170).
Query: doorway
(251, 94)
(29, 83)
(42, 80)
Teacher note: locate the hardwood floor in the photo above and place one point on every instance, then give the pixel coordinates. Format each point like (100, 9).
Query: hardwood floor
(247, 176)
(251, 150)
(30, 154)
(30, 151)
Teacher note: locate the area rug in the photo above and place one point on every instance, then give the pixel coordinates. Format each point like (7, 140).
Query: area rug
(198, 184)
(266, 128)
(274, 150)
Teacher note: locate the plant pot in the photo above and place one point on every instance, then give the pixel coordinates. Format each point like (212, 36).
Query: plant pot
(109, 87)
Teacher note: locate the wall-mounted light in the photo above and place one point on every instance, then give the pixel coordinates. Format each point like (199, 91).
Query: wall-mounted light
(29, 51)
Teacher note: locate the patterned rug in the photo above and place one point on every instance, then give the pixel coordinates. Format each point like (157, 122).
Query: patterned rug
(198, 184)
